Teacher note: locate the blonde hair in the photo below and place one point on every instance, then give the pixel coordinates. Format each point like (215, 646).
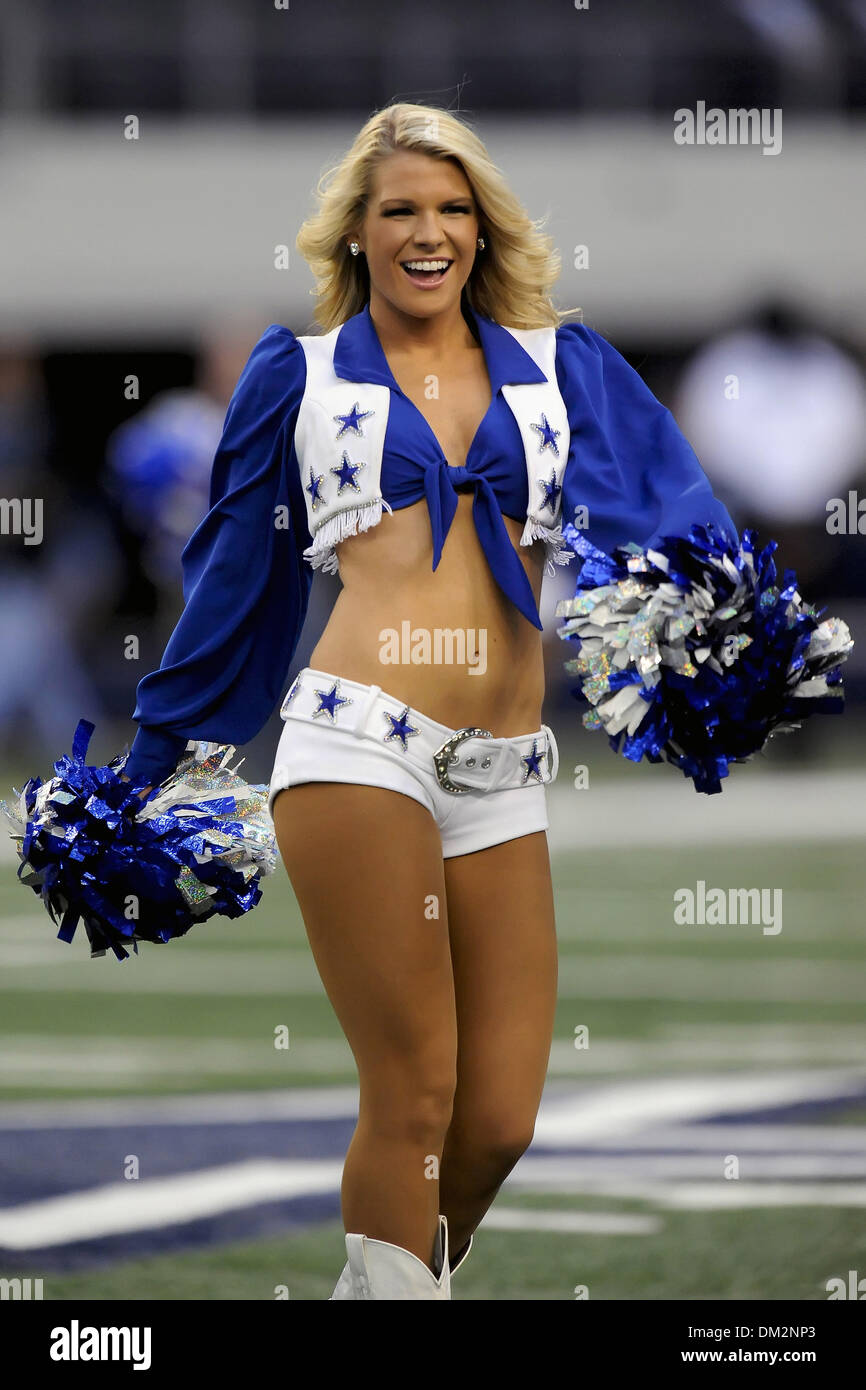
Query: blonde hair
(511, 279)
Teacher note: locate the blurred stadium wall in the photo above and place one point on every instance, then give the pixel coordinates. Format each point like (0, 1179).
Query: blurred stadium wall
(165, 255)
(137, 239)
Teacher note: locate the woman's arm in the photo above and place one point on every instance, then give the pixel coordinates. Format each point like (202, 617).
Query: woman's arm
(689, 651)
(630, 475)
(245, 583)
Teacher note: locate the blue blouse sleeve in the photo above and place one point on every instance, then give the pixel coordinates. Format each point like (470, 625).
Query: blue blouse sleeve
(628, 464)
(246, 585)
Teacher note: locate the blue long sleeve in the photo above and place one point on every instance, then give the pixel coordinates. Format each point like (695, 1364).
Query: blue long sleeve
(246, 585)
(628, 464)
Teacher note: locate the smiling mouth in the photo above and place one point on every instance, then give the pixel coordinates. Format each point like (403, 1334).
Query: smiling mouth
(427, 272)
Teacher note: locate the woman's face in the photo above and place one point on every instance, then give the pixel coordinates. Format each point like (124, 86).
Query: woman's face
(419, 233)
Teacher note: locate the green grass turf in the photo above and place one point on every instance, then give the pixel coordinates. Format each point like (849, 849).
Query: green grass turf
(755, 1255)
(239, 980)
(611, 909)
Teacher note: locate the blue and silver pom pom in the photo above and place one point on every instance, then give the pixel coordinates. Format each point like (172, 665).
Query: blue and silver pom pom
(135, 868)
(692, 652)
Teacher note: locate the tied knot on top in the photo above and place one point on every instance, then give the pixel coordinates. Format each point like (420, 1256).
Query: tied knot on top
(440, 487)
(459, 473)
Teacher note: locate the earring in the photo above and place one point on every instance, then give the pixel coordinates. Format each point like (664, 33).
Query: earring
(481, 243)
(354, 247)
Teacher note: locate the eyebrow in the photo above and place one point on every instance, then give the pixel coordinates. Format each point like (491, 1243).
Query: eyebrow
(456, 198)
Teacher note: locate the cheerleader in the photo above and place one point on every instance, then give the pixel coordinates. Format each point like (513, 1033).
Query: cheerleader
(442, 440)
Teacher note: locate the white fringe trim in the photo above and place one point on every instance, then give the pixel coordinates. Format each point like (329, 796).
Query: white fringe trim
(346, 522)
(556, 550)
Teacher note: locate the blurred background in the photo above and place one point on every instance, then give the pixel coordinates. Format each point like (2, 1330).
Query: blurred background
(155, 165)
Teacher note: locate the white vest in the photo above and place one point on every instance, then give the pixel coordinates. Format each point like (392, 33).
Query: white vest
(327, 446)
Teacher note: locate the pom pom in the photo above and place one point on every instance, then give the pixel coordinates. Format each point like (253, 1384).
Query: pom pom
(693, 653)
(136, 868)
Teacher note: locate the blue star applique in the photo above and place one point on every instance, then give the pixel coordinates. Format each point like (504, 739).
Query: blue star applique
(400, 727)
(533, 761)
(346, 473)
(548, 435)
(296, 685)
(312, 488)
(352, 421)
(330, 701)
(551, 489)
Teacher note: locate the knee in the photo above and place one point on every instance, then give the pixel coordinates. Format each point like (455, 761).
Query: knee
(417, 1107)
(506, 1144)
(427, 1114)
(497, 1143)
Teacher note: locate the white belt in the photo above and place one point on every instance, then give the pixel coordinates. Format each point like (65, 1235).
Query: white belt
(467, 759)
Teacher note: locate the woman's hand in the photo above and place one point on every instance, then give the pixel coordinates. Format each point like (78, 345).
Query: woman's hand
(124, 778)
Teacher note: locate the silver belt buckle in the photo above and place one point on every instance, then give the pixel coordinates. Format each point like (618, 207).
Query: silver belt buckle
(443, 754)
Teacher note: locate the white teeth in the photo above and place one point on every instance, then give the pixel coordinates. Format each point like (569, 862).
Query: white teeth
(426, 265)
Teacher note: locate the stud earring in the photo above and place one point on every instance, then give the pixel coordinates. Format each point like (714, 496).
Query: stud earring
(481, 243)
(354, 247)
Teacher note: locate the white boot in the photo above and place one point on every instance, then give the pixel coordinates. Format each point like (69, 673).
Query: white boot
(344, 1283)
(457, 1260)
(379, 1270)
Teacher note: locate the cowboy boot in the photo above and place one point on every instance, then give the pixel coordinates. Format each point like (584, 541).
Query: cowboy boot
(377, 1269)
(456, 1261)
(343, 1289)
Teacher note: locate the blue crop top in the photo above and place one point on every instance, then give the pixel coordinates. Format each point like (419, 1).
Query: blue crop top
(414, 466)
(287, 456)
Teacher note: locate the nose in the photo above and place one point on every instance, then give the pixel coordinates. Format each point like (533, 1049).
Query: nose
(427, 229)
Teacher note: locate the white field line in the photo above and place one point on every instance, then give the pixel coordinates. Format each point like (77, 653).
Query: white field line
(709, 1196)
(621, 914)
(223, 1107)
(67, 1059)
(581, 915)
(49, 964)
(698, 977)
(587, 1170)
(145, 1205)
(665, 810)
(605, 1223)
(73, 1061)
(570, 1115)
(606, 1110)
(530, 1176)
(659, 807)
(763, 1034)
(793, 1048)
(283, 974)
(154, 1202)
(726, 1137)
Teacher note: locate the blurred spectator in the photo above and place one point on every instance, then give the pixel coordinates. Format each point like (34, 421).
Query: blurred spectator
(46, 586)
(776, 412)
(158, 464)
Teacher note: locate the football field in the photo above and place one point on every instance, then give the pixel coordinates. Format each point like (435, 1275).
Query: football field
(173, 1126)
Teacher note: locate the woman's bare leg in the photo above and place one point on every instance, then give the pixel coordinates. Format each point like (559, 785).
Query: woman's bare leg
(366, 867)
(503, 948)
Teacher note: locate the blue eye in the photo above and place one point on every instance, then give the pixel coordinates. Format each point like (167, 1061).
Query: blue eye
(401, 212)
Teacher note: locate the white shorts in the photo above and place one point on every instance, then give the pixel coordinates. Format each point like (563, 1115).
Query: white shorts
(350, 746)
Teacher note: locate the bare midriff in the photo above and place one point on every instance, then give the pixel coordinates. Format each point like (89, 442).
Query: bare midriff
(390, 586)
